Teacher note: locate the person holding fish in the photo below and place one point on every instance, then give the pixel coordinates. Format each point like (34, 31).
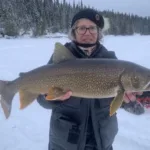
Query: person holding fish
(84, 123)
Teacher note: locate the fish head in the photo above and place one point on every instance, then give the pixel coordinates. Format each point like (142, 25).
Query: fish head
(137, 79)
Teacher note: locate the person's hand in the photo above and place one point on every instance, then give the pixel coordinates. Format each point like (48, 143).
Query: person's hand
(131, 96)
(66, 96)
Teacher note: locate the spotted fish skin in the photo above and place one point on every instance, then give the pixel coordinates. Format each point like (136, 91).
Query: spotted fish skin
(94, 78)
(87, 78)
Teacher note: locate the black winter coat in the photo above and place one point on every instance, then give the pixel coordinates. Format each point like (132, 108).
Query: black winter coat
(79, 123)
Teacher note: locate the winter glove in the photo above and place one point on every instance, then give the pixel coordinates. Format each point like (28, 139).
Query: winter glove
(133, 107)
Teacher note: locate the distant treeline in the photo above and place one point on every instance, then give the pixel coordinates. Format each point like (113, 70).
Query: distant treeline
(40, 17)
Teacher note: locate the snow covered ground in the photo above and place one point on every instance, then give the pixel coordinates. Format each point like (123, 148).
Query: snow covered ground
(28, 129)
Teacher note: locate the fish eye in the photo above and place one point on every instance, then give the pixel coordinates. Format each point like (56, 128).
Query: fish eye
(135, 77)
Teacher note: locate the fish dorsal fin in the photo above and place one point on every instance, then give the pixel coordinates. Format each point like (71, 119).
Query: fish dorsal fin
(61, 53)
(21, 74)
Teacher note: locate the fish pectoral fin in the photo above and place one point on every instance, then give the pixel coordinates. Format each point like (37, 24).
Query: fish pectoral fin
(54, 93)
(26, 98)
(117, 102)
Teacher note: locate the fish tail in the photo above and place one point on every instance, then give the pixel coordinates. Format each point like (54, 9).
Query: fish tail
(6, 96)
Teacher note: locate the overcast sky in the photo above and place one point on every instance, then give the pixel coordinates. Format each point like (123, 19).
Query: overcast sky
(138, 7)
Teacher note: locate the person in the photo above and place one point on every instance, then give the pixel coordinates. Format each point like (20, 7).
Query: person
(80, 123)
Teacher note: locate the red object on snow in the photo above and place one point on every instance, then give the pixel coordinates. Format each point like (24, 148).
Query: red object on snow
(145, 101)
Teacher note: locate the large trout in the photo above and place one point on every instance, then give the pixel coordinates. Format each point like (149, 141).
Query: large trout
(87, 78)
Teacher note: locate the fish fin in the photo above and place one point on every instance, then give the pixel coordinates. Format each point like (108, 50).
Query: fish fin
(26, 98)
(61, 53)
(117, 102)
(6, 96)
(54, 93)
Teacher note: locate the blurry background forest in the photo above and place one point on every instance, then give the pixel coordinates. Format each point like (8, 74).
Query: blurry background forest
(41, 17)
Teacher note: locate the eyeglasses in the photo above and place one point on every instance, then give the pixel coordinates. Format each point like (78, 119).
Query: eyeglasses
(82, 29)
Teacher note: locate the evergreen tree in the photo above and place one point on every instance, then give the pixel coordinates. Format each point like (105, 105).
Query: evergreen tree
(18, 17)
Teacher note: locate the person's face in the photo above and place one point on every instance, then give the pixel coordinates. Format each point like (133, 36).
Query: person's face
(86, 31)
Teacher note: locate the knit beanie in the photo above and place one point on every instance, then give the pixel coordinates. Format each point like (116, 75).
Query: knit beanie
(90, 14)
